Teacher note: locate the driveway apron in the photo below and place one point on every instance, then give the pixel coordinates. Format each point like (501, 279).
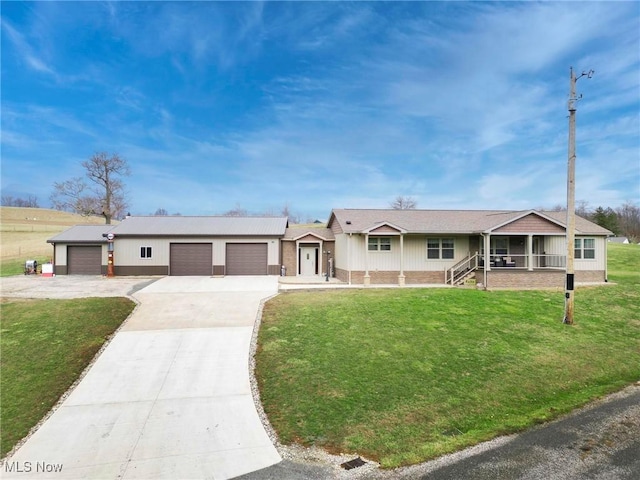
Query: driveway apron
(168, 398)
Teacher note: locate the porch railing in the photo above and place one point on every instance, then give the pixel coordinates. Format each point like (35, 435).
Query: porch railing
(543, 260)
(460, 269)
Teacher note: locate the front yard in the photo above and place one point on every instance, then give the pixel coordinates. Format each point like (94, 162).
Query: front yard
(46, 344)
(404, 375)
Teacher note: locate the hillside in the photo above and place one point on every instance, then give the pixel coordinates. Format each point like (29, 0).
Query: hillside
(24, 231)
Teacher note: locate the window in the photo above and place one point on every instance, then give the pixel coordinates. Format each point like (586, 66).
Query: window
(585, 248)
(440, 248)
(379, 244)
(499, 246)
(145, 252)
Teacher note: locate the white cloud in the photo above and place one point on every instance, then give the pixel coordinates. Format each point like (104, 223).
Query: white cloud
(26, 51)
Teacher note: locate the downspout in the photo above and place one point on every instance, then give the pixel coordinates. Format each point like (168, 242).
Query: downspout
(606, 266)
(367, 278)
(54, 258)
(349, 256)
(486, 263)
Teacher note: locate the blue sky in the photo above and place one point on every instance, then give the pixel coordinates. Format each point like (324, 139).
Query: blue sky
(323, 105)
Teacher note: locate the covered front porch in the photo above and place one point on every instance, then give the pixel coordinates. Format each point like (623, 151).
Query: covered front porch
(526, 253)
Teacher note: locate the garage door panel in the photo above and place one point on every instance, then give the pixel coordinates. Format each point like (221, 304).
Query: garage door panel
(84, 260)
(246, 259)
(190, 259)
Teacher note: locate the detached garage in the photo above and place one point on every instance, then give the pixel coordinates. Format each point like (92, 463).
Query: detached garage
(174, 245)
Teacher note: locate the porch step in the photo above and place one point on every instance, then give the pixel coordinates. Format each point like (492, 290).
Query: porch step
(460, 282)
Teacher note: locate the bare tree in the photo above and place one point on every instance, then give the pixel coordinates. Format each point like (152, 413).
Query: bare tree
(237, 211)
(105, 195)
(629, 221)
(583, 210)
(286, 212)
(161, 212)
(403, 203)
(31, 201)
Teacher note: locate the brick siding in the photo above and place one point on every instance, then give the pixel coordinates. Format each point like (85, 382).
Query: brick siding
(523, 279)
(391, 277)
(289, 258)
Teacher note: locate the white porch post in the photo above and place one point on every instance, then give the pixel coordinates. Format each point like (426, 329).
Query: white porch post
(401, 276)
(530, 252)
(320, 257)
(487, 252)
(367, 278)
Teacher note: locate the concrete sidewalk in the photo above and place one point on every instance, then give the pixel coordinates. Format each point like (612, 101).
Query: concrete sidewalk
(168, 398)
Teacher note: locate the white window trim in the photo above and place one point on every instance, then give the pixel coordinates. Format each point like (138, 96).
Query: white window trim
(581, 249)
(440, 239)
(378, 244)
(150, 251)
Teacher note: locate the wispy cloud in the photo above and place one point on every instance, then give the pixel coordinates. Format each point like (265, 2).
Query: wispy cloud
(459, 104)
(26, 52)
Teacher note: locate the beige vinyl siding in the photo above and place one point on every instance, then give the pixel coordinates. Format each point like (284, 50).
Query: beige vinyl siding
(555, 245)
(415, 254)
(558, 245)
(597, 263)
(61, 253)
(341, 257)
(127, 250)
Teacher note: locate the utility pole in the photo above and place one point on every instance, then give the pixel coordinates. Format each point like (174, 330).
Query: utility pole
(571, 197)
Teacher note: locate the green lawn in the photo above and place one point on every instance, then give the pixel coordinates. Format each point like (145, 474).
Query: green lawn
(46, 344)
(16, 267)
(405, 375)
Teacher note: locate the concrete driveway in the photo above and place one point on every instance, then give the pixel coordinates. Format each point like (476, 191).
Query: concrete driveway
(169, 397)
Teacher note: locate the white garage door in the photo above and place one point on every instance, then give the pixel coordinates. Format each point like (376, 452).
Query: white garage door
(190, 259)
(246, 259)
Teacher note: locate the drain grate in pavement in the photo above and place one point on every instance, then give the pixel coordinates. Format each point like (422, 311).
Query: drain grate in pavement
(355, 463)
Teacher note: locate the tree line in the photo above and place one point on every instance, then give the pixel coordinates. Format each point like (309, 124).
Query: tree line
(102, 192)
(30, 202)
(623, 221)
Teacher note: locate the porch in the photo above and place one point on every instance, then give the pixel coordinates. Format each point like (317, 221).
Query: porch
(468, 266)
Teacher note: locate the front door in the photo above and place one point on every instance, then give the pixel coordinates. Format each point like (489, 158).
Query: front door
(308, 260)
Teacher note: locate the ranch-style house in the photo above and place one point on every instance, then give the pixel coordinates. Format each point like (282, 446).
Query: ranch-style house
(495, 248)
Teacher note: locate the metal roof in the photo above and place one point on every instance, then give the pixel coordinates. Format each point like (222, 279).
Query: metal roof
(447, 221)
(83, 234)
(201, 226)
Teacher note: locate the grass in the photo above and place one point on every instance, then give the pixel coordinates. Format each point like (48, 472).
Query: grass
(24, 233)
(46, 344)
(405, 375)
(16, 267)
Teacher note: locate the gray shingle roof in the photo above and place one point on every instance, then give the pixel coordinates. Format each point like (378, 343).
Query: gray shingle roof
(295, 232)
(445, 221)
(202, 226)
(83, 234)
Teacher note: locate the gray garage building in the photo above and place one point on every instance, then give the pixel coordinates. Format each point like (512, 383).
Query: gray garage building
(173, 245)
